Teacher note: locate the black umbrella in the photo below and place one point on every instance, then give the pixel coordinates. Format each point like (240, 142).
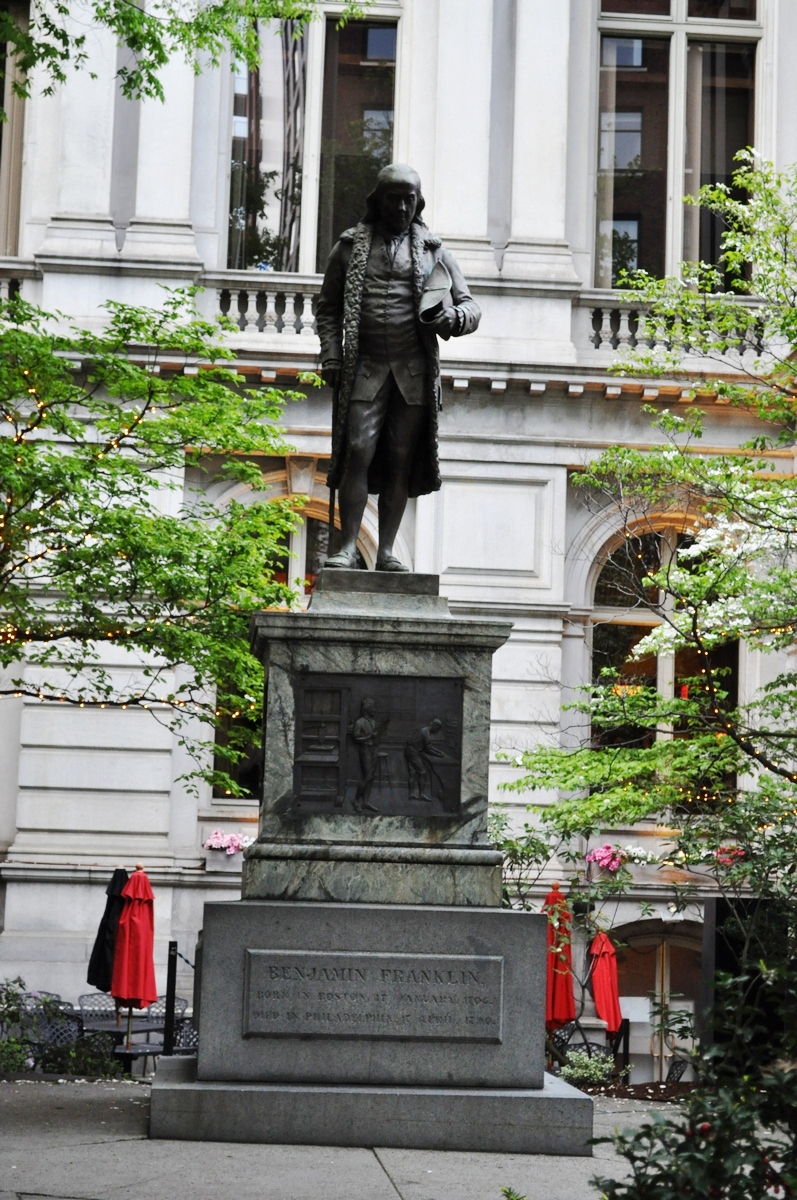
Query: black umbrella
(101, 961)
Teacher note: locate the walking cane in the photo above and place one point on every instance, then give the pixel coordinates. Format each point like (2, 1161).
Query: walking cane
(331, 516)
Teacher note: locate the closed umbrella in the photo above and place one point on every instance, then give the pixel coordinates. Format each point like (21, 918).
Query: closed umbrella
(100, 970)
(560, 1004)
(604, 982)
(133, 982)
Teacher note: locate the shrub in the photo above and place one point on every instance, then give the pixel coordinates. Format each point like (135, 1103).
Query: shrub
(12, 993)
(587, 1070)
(14, 1057)
(27, 1041)
(90, 1055)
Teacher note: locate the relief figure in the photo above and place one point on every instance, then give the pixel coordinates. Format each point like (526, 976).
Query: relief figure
(366, 732)
(420, 753)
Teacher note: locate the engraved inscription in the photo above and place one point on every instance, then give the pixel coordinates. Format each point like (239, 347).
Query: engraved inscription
(300, 993)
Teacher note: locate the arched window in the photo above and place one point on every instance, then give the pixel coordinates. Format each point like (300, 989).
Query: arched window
(622, 582)
(627, 606)
(622, 617)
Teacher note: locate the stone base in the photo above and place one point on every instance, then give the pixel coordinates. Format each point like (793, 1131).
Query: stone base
(447, 875)
(372, 995)
(554, 1119)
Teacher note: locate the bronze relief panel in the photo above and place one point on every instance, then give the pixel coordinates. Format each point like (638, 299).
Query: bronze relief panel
(378, 745)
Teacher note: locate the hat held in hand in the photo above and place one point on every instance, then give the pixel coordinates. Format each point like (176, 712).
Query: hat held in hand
(435, 291)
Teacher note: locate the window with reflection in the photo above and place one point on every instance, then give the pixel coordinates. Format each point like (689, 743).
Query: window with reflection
(11, 134)
(669, 87)
(246, 772)
(613, 645)
(713, 681)
(244, 247)
(357, 122)
(721, 663)
(623, 585)
(632, 156)
(624, 580)
(723, 10)
(648, 8)
(720, 80)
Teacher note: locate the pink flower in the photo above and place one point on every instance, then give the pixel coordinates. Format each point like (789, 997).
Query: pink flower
(231, 843)
(608, 858)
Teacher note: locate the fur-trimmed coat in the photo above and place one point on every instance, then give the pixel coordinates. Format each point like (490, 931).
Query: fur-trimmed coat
(338, 322)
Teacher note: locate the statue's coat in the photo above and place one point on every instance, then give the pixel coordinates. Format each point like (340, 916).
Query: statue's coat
(338, 321)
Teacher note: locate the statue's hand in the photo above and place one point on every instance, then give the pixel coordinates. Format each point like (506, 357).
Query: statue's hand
(445, 324)
(331, 376)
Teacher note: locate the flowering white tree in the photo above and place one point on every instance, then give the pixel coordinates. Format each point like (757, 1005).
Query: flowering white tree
(719, 771)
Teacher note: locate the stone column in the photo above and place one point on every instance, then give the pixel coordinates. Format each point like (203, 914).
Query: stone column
(9, 755)
(210, 165)
(183, 803)
(161, 229)
(458, 199)
(537, 247)
(81, 225)
(575, 674)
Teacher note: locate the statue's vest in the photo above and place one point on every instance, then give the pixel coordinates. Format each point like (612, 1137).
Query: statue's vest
(388, 336)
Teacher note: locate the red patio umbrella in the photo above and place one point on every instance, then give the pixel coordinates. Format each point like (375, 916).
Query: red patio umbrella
(133, 980)
(604, 982)
(560, 1004)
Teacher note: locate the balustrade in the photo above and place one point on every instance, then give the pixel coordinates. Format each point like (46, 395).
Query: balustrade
(613, 326)
(267, 302)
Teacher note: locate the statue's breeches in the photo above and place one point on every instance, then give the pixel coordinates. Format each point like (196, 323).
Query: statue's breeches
(386, 421)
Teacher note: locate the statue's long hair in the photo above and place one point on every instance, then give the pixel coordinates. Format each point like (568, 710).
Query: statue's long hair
(372, 205)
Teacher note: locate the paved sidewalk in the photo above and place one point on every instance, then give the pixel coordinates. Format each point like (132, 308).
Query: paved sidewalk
(88, 1141)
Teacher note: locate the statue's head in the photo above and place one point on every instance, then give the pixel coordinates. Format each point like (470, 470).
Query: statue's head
(367, 707)
(435, 725)
(397, 199)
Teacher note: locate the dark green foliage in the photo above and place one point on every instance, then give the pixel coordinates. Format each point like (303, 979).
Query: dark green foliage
(15, 1057)
(12, 995)
(90, 1055)
(39, 1033)
(734, 1143)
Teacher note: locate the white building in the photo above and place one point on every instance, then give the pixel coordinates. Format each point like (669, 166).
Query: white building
(555, 141)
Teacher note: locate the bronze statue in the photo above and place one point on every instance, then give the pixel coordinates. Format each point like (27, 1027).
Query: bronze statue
(390, 289)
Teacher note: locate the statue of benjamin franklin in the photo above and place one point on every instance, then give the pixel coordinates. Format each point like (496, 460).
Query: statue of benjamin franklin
(390, 289)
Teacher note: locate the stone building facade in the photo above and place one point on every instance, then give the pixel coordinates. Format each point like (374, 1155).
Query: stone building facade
(554, 142)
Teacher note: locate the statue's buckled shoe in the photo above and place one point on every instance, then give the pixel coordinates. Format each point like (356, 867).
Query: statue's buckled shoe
(390, 563)
(342, 561)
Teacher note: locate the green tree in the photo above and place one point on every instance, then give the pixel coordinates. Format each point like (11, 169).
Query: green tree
(719, 771)
(107, 441)
(54, 38)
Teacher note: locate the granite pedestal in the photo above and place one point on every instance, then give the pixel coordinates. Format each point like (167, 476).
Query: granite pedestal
(404, 819)
(368, 989)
